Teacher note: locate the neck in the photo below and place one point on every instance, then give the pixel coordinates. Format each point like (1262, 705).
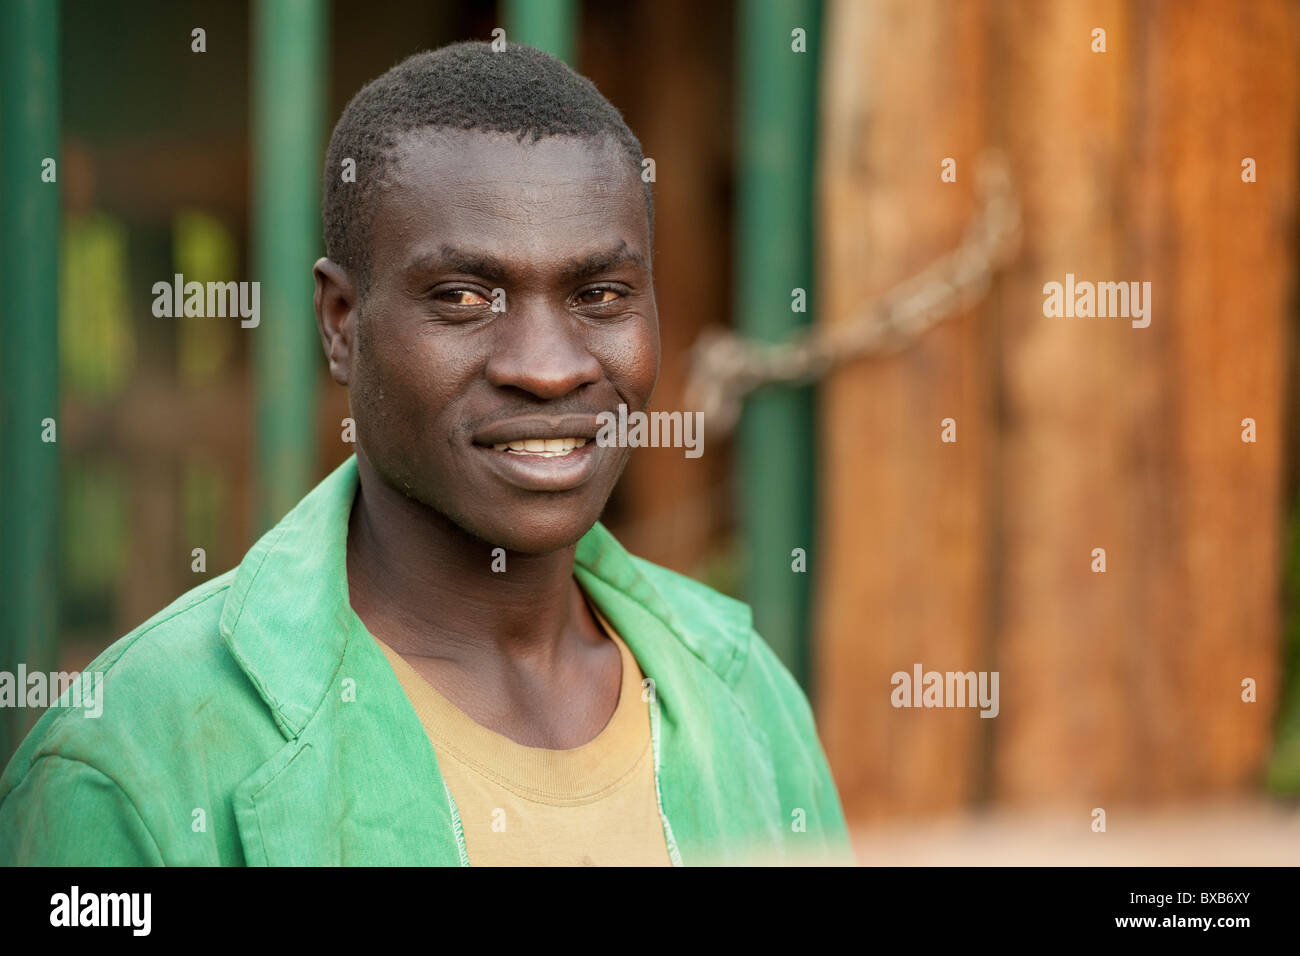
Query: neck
(426, 587)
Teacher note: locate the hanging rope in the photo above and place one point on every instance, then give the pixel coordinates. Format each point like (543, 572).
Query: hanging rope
(725, 367)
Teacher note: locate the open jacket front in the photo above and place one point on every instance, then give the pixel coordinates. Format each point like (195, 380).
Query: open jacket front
(255, 721)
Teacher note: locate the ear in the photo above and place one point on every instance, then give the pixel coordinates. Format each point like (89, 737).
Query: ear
(336, 316)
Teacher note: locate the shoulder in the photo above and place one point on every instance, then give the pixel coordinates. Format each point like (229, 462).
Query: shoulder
(139, 698)
(719, 630)
(173, 725)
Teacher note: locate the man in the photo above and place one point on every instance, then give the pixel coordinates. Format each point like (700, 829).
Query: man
(439, 656)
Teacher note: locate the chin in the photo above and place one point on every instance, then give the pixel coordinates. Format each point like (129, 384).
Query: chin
(534, 534)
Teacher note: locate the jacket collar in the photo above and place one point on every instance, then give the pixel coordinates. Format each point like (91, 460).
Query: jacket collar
(288, 616)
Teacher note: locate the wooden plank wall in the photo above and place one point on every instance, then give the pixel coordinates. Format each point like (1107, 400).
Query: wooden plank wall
(1073, 433)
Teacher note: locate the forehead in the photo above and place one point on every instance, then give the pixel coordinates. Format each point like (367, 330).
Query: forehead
(523, 202)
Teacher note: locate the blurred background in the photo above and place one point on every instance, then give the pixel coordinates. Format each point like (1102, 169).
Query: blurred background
(828, 147)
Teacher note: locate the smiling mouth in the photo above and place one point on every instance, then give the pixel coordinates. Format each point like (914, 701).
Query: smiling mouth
(549, 464)
(541, 447)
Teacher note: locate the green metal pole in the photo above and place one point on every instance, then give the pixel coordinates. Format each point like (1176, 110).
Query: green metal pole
(29, 344)
(289, 88)
(550, 25)
(774, 247)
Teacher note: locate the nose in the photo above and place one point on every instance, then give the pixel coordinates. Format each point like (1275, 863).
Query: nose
(542, 350)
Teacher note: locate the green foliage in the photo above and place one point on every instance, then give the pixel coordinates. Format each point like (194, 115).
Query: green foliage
(203, 250)
(97, 348)
(1283, 775)
(96, 536)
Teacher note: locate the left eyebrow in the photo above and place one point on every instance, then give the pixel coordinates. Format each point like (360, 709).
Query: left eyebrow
(599, 262)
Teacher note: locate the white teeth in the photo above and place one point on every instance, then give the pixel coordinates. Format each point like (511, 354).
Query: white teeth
(541, 447)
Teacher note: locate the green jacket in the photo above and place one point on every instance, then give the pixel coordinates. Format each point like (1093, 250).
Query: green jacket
(254, 721)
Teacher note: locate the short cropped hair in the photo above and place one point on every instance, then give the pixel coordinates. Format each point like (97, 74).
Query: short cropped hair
(465, 86)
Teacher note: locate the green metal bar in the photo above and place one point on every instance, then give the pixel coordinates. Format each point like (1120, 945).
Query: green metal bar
(777, 91)
(29, 345)
(289, 88)
(550, 25)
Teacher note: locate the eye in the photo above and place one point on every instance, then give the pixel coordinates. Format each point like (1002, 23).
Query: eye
(598, 296)
(460, 297)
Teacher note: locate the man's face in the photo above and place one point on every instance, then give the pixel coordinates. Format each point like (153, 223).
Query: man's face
(442, 385)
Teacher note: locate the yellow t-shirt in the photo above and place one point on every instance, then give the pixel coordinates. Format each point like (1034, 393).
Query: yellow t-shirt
(594, 805)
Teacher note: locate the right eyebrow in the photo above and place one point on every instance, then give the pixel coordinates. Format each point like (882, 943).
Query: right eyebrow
(454, 259)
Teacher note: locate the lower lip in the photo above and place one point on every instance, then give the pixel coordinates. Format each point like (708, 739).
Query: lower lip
(539, 473)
